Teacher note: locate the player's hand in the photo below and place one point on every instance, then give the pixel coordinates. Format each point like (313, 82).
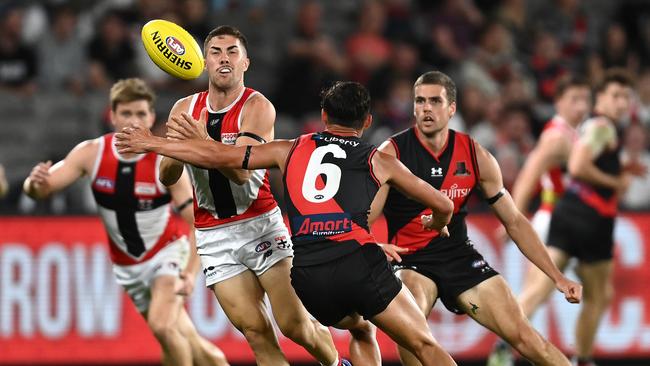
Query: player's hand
(184, 127)
(572, 290)
(185, 286)
(392, 252)
(38, 178)
(132, 140)
(430, 223)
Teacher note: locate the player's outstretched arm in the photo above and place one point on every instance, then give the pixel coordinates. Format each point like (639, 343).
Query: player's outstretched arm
(206, 154)
(46, 179)
(518, 226)
(388, 169)
(171, 169)
(551, 150)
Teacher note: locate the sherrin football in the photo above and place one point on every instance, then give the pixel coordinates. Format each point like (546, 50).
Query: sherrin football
(173, 49)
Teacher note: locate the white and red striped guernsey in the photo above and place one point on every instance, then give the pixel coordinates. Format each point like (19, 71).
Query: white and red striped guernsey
(554, 181)
(217, 200)
(133, 205)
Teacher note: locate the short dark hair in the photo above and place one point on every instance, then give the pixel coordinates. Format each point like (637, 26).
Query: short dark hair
(439, 78)
(225, 30)
(346, 103)
(570, 81)
(614, 75)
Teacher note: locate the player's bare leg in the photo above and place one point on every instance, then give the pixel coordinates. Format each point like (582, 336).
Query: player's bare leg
(292, 317)
(598, 292)
(364, 349)
(203, 351)
(493, 305)
(242, 300)
(162, 318)
(537, 286)
(405, 324)
(424, 292)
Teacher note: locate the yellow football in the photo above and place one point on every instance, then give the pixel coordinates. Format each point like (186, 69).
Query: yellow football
(173, 49)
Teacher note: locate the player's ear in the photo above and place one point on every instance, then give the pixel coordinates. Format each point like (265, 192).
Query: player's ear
(247, 63)
(452, 109)
(368, 122)
(323, 116)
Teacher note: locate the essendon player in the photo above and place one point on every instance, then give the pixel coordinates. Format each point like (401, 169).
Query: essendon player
(582, 223)
(244, 246)
(546, 168)
(450, 267)
(330, 179)
(149, 251)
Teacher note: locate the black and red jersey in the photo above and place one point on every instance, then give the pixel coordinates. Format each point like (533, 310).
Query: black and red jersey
(329, 186)
(454, 172)
(602, 200)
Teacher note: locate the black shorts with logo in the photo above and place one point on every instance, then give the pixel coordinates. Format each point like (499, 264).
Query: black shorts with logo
(360, 282)
(454, 268)
(580, 231)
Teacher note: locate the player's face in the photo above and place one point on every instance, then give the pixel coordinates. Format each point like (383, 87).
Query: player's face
(615, 101)
(226, 62)
(136, 113)
(431, 108)
(575, 103)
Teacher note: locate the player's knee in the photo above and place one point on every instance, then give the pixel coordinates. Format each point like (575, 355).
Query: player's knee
(529, 343)
(364, 330)
(298, 331)
(422, 344)
(163, 331)
(256, 333)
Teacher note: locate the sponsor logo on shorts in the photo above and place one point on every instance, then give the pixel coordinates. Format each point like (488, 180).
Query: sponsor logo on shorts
(145, 188)
(268, 253)
(175, 45)
(478, 263)
(314, 226)
(104, 183)
(262, 246)
(228, 138)
(210, 271)
(282, 243)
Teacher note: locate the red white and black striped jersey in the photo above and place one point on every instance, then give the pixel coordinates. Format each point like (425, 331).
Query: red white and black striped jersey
(133, 205)
(554, 180)
(454, 172)
(217, 200)
(329, 186)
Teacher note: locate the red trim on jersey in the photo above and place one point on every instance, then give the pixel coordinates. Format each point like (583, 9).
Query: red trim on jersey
(372, 173)
(472, 151)
(418, 135)
(264, 202)
(295, 174)
(395, 147)
(605, 207)
(145, 179)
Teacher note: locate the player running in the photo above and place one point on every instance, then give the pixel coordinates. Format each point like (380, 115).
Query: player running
(149, 250)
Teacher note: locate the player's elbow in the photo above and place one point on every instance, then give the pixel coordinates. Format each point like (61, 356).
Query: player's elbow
(445, 206)
(576, 168)
(241, 177)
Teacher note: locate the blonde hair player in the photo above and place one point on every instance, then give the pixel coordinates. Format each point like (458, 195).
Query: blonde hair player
(152, 259)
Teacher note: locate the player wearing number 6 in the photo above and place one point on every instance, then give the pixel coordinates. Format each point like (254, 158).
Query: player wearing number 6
(330, 180)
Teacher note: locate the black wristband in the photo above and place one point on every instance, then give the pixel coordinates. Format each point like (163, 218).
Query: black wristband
(492, 200)
(182, 206)
(247, 155)
(251, 135)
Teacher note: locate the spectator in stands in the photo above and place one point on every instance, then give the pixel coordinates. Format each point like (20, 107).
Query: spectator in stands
(312, 61)
(404, 64)
(60, 57)
(635, 148)
(546, 65)
(195, 17)
(439, 48)
(18, 65)
(569, 24)
(614, 52)
(641, 110)
(513, 141)
(462, 18)
(4, 185)
(110, 52)
(367, 48)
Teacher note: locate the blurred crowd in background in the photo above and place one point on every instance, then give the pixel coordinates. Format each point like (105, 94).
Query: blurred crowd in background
(58, 59)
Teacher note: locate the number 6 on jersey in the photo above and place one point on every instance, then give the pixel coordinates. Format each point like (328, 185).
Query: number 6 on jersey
(316, 167)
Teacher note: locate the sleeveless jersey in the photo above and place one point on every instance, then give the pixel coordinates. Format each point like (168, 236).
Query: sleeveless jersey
(602, 200)
(554, 181)
(134, 207)
(454, 172)
(329, 186)
(217, 200)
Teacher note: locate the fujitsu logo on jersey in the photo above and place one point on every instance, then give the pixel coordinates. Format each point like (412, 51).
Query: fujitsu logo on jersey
(455, 192)
(322, 224)
(340, 141)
